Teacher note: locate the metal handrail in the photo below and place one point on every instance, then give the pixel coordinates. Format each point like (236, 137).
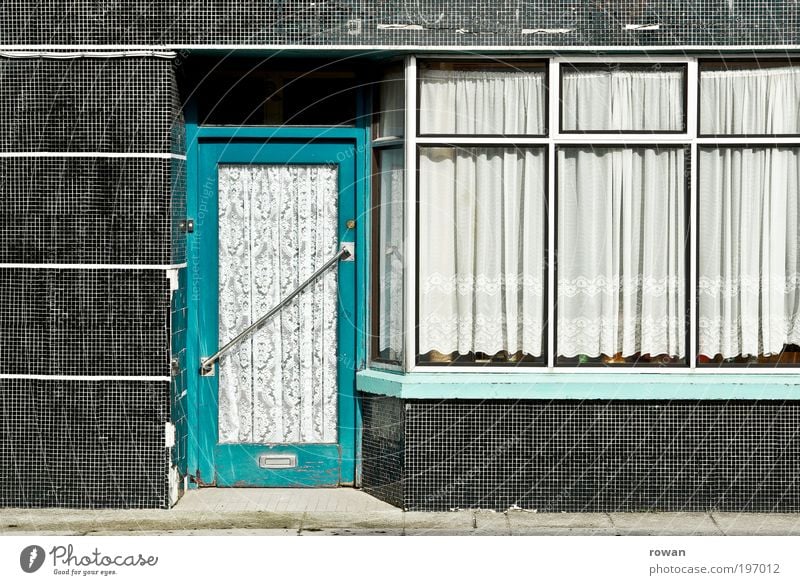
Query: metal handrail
(207, 364)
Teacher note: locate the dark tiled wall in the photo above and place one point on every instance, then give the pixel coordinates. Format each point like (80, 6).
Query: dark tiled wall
(89, 210)
(84, 322)
(87, 105)
(96, 444)
(375, 22)
(77, 442)
(599, 455)
(382, 447)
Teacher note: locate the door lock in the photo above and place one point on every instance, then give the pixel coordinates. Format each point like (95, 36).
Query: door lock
(351, 248)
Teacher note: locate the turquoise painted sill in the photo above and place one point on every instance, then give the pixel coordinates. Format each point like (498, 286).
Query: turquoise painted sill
(580, 386)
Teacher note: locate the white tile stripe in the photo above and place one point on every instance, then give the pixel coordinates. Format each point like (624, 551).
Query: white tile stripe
(171, 48)
(85, 378)
(21, 154)
(95, 266)
(39, 54)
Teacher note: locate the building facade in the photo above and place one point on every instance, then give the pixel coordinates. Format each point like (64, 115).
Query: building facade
(532, 254)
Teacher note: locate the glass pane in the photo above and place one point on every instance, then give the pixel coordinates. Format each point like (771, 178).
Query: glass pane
(481, 101)
(621, 256)
(753, 100)
(279, 386)
(388, 254)
(749, 256)
(617, 98)
(391, 103)
(481, 254)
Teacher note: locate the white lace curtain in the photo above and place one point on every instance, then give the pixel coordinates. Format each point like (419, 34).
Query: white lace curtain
(621, 252)
(622, 99)
(481, 102)
(750, 101)
(277, 225)
(749, 250)
(390, 255)
(481, 253)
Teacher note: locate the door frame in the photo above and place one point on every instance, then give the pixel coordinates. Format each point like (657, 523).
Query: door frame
(200, 406)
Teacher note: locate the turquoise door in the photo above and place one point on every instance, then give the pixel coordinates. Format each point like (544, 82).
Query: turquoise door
(279, 408)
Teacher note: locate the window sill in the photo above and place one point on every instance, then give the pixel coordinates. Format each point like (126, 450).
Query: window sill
(580, 386)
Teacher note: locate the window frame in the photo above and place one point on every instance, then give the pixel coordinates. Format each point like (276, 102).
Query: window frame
(602, 65)
(785, 61)
(737, 367)
(476, 64)
(690, 139)
(688, 226)
(541, 361)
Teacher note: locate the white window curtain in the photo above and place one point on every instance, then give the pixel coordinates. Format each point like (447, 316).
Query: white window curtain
(390, 255)
(621, 252)
(622, 99)
(749, 251)
(481, 250)
(481, 102)
(750, 101)
(391, 101)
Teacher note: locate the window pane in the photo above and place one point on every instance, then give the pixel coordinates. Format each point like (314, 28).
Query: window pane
(622, 98)
(388, 253)
(478, 101)
(757, 100)
(391, 101)
(481, 254)
(749, 255)
(621, 256)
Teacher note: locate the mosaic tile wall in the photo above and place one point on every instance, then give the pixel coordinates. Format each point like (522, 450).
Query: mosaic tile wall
(417, 22)
(593, 456)
(97, 444)
(382, 447)
(87, 177)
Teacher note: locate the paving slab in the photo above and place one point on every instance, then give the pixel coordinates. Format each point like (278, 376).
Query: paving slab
(382, 520)
(491, 523)
(125, 521)
(201, 532)
(673, 523)
(352, 532)
(280, 500)
(534, 523)
(457, 521)
(734, 524)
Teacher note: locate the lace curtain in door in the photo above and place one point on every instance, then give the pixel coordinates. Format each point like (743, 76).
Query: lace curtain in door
(277, 225)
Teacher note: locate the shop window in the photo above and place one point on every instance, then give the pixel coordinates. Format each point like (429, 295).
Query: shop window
(622, 242)
(388, 251)
(747, 98)
(620, 98)
(481, 255)
(390, 107)
(748, 286)
(654, 224)
(483, 100)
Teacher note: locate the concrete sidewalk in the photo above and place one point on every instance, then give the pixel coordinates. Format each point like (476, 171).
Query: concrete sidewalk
(310, 512)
